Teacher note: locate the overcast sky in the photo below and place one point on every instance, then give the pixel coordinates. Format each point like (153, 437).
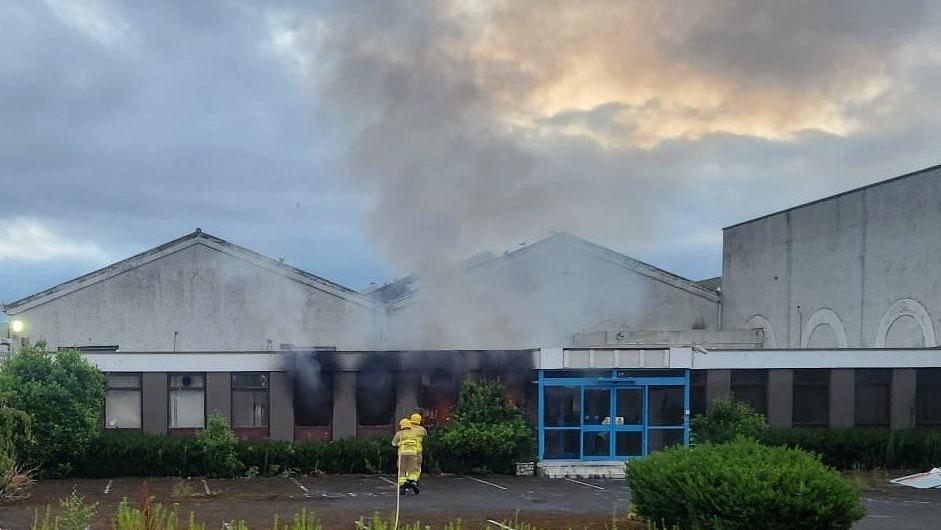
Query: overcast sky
(363, 140)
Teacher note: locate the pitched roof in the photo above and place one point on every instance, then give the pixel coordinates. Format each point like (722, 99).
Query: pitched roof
(197, 237)
(402, 289)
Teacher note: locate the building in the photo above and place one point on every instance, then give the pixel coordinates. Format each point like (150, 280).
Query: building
(825, 316)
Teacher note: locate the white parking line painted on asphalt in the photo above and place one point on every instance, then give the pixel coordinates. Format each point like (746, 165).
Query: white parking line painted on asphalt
(584, 483)
(206, 487)
(487, 483)
(299, 485)
(108, 487)
(501, 525)
(387, 480)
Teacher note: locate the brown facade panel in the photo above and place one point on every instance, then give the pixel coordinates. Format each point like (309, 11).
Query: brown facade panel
(780, 397)
(219, 394)
(902, 400)
(154, 402)
(282, 407)
(842, 397)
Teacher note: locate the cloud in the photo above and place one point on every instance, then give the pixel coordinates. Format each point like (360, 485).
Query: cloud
(29, 239)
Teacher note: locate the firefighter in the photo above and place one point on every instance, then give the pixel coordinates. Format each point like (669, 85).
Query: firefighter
(421, 432)
(406, 439)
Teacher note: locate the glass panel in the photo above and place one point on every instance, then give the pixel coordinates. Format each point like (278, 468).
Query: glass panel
(186, 381)
(250, 380)
(628, 444)
(122, 409)
(187, 409)
(927, 396)
(123, 381)
(562, 406)
(597, 406)
(561, 444)
(665, 405)
(872, 396)
(697, 392)
(597, 443)
(630, 406)
(751, 387)
(313, 399)
(659, 439)
(811, 405)
(250, 408)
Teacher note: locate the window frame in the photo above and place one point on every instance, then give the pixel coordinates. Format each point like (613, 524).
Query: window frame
(233, 390)
(140, 399)
(171, 388)
(801, 385)
(857, 387)
(763, 386)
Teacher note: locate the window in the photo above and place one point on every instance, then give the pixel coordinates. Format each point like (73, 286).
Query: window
(313, 399)
(375, 397)
(928, 397)
(122, 402)
(562, 406)
(872, 396)
(751, 387)
(250, 399)
(697, 392)
(665, 405)
(811, 397)
(187, 401)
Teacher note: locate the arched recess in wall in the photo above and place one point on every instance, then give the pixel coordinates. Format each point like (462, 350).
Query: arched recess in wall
(824, 317)
(760, 322)
(906, 307)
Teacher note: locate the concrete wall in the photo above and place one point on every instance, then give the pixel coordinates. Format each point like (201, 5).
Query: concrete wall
(281, 399)
(855, 270)
(212, 301)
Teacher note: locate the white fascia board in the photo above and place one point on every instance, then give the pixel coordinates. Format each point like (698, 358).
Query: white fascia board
(842, 358)
(187, 362)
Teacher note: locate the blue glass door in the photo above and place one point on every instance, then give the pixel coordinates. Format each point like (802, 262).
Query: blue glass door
(612, 422)
(597, 422)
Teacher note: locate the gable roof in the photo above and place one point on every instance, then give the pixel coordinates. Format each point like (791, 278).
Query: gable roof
(400, 290)
(197, 237)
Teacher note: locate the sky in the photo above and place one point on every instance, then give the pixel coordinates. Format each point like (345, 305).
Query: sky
(361, 141)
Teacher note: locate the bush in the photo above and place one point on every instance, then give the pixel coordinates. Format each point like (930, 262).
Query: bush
(63, 395)
(484, 432)
(864, 448)
(741, 484)
(15, 478)
(218, 444)
(725, 421)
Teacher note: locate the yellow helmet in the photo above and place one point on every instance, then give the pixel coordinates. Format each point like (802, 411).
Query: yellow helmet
(415, 419)
(405, 423)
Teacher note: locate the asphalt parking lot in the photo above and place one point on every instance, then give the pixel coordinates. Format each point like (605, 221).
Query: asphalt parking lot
(338, 500)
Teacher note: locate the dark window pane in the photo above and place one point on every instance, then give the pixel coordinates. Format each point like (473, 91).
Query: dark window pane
(928, 396)
(597, 406)
(751, 387)
(628, 443)
(313, 398)
(872, 396)
(561, 444)
(630, 406)
(250, 380)
(562, 406)
(659, 439)
(597, 444)
(811, 397)
(665, 405)
(375, 397)
(437, 395)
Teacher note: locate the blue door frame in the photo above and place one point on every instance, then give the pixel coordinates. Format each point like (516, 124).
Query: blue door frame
(612, 382)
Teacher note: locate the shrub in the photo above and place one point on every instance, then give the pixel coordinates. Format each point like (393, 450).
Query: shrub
(63, 395)
(741, 484)
(864, 448)
(484, 432)
(218, 445)
(15, 478)
(726, 420)
(136, 454)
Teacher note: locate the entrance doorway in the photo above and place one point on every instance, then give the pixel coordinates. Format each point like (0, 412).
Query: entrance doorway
(611, 414)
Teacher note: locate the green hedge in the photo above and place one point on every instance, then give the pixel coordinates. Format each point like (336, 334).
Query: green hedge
(123, 453)
(863, 448)
(741, 484)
